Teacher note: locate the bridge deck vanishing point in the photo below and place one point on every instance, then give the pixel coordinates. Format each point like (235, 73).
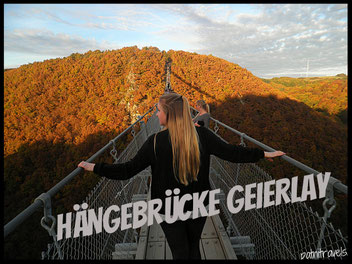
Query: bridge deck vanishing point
(152, 244)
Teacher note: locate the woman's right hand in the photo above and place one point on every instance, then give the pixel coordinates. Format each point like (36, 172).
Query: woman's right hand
(270, 155)
(86, 165)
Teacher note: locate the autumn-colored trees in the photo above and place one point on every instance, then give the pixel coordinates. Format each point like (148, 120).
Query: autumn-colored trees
(61, 111)
(324, 94)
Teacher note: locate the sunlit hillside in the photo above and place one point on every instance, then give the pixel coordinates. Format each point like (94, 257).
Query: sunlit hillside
(61, 111)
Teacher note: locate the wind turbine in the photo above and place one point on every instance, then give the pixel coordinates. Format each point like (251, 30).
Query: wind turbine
(307, 68)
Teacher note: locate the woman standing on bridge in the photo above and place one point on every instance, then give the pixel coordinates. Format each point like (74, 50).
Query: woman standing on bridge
(179, 156)
(203, 117)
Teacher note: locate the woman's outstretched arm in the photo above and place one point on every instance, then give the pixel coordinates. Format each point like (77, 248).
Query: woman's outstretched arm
(125, 170)
(234, 153)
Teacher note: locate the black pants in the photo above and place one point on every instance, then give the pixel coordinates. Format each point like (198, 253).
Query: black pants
(183, 237)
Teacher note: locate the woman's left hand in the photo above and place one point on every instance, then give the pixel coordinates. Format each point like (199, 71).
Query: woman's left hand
(274, 154)
(86, 165)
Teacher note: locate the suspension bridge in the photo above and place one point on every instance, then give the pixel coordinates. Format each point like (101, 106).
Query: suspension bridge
(277, 232)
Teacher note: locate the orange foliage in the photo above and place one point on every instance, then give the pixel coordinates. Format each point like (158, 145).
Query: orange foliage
(61, 111)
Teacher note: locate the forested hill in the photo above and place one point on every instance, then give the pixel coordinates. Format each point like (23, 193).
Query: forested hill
(324, 94)
(70, 98)
(61, 111)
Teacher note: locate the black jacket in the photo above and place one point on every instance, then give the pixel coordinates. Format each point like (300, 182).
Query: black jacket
(162, 169)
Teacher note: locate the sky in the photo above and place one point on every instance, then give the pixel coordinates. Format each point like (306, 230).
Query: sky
(269, 40)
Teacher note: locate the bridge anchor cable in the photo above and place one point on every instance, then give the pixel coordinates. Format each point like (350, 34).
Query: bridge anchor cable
(330, 200)
(46, 200)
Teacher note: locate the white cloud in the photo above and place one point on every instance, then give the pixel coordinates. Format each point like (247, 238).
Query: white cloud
(271, 39)
(48, 43)
(281, 36)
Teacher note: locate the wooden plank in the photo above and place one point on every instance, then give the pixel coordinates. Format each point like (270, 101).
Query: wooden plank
(156, 233)
(168, 254)
(247, 249)
(212, 248)
(144, 230)
(143, 239)
(155, 250)
(208, 230)
(143, 242)
(153, 244)
(142, 248)
(225, 242)
(123, 255)
(201, 249)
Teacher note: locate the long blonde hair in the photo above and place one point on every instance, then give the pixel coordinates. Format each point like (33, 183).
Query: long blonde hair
(183, 136)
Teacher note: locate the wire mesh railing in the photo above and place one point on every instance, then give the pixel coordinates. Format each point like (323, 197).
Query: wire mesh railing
(106, 193)
(277, 232)
(286, 231)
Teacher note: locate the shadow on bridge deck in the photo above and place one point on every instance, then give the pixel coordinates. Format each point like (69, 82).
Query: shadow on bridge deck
(214, 244)
(152, 244)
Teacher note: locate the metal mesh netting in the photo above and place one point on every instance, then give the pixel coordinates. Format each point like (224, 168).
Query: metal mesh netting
(277, 232)
(106, 193)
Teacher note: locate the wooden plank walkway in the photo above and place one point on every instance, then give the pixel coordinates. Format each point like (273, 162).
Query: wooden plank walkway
(214, 243)
(152, 244)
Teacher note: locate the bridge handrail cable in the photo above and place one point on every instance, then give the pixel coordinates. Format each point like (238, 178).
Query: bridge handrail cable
(26, 213)
(9, 227)
(337, 184)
